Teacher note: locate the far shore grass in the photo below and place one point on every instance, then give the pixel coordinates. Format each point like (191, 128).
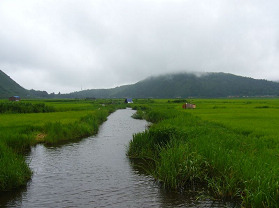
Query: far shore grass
(66, 121)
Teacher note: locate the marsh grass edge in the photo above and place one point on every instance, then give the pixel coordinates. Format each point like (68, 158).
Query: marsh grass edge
(47, 124)
(233, 163)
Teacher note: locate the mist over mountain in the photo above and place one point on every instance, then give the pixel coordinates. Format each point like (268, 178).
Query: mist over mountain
(200, 85)
(184, 85)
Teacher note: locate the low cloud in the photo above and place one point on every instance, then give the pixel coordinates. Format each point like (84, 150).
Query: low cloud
(63, 46)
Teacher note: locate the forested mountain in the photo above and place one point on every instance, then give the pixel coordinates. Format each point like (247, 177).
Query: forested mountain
(9, 87)
(207, 85)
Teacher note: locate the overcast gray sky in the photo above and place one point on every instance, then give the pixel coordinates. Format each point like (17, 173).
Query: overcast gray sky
(63, 45)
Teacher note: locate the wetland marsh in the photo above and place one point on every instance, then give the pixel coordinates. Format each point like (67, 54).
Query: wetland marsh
(96, 172)
(230, 146)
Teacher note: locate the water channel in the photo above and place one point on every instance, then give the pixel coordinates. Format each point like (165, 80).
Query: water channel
(96, 172)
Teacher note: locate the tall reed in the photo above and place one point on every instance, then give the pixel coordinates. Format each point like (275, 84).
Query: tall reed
(14, 172)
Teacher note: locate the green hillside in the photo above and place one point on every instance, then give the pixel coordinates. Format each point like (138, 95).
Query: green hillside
(207, 85)
(9, 87)
(187, 85)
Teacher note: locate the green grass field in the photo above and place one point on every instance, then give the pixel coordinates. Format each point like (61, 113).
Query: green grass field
(256, 116)
(231, 145)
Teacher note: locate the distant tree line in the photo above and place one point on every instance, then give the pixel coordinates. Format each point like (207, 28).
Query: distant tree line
(21, 107)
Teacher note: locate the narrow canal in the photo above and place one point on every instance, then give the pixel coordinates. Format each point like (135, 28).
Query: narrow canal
(95, 172)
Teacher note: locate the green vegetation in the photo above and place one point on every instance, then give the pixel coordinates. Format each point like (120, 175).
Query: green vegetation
(207, 85)
(229, 145)
(28, 122)
(210, 85)
(14, 171)
(9, 87)
(88, 125)
(20, 107)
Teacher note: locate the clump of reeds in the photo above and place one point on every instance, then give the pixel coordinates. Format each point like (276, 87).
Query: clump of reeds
(14, 172)
(139, 114)
(56, 132)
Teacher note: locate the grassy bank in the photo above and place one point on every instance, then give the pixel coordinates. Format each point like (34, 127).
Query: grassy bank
(44, 121)
(14, 172)
(202, 147)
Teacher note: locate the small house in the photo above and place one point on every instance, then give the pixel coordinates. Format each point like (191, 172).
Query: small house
(14, 98)
(188, 106)
(128, 100)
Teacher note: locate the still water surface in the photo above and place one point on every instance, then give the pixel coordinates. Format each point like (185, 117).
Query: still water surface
(96, 173)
